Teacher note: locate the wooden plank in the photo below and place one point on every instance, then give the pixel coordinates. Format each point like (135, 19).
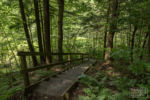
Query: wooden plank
(21, 53)
(69, 59)
(31, 87)
(58, 86)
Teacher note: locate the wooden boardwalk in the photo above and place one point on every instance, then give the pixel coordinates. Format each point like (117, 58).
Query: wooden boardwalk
(56, 88)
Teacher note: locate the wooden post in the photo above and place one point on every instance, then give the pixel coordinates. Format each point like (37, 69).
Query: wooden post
(82, 57)
(24, 71)
(69, 59)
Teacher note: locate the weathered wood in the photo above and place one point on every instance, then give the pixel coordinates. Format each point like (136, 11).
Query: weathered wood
(33, 86)
(60, 85)
(25, 70)
(82, 57)
(25, 74)
(69, 59)
(21, 53)
(46, 66)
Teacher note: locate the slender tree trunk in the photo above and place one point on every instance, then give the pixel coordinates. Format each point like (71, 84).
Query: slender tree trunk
(149, 45)
(128, 39)
(145, 39)
(51, 29)
(47, 31)
(132, 42)
(106, 29)
(148, 40)
(130, 28)
(31, 48)
(93, 50)
(112, 30)
(139, 42)
(105, 40)
(143, 46)
(36, 9)
(60, 28)
(42, 25)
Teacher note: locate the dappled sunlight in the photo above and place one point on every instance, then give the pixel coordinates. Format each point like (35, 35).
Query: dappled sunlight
(74, 49)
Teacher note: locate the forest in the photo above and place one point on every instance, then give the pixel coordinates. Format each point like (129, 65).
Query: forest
(80, 49)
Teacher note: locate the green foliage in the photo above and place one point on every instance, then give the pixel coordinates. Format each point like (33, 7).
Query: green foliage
(42, 74)
(101, 92)
(121, 54)
(7, 87)
(88, 80)
(137, 67)
(85, 22)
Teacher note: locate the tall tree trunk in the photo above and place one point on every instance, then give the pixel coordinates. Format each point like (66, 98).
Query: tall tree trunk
(42, 24)
(106, 29)
(132, 42)
(38, 26)
(31, 48)
(128, 39)
(47, 31)
(60, 28)
(149, 40)
(93, 50)
(112, 30)
(144, 43)
(105, 40)
(130, 30)
(149, 45)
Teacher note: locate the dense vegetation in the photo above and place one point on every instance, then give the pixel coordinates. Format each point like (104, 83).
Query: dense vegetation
(115, 32)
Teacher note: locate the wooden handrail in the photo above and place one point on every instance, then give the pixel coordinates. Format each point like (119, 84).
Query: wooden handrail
(25, 71)
(46, 66)
(22, 53)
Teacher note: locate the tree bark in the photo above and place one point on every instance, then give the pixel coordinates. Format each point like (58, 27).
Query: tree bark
(149, 40)
(106, 29)
(38, 26)
(132, 42)
(146, 36)
(105, 40)
(47, 31)
(60, 28)
(149, 45)
(42, 25)
(112, 30)
(144, 43)
(31, 48)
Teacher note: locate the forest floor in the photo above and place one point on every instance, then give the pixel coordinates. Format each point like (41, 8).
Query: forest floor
(107, 82)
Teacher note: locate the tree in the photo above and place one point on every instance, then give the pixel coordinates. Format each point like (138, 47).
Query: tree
(47, 43)
(106, 27)
(27, 31)
(38, 26)
(144, 43)
(132, 42)
(112, 30)
(60, 29)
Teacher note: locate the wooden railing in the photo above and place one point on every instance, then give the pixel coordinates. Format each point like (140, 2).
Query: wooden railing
(25, 70)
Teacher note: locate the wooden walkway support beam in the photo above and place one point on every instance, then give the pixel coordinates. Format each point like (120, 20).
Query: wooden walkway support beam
(23, 72)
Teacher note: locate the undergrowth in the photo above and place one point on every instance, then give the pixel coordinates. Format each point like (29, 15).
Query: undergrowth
(135, 75)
